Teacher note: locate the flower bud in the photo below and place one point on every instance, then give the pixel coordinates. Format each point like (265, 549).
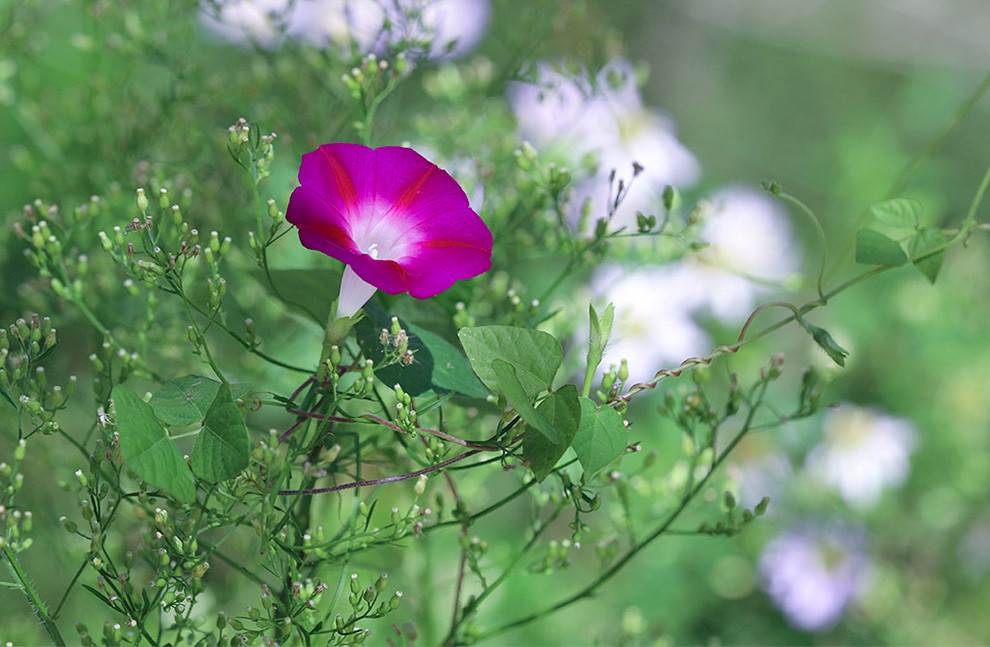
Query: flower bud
(142, 201)
(68, 524)
(20, 450)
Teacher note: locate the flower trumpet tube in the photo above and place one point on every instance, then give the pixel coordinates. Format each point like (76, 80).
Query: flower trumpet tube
(397, 221)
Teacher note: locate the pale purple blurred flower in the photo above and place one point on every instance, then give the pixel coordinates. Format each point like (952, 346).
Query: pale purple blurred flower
(433, 29)
(862, 453)
(812, 574)
(575, 117)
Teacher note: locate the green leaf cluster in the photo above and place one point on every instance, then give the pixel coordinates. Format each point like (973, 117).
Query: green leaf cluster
(521, 363)
(222, 444)
(894, 234)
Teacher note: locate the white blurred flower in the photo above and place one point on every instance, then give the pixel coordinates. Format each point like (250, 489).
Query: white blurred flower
(605, 118)
(260, 22)
(652, 327)
(862, 453)
(435, 29)
(813, 574)
(750, 248)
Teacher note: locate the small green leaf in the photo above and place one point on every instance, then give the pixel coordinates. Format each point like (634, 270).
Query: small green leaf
(562, 410)
(148, 450)
(519, 399)
(184, 400)
(874, 248)
(923, 241)
(222, 446)
(535, 355)
(827, 344)
(451, 370)
(901, 213)
(600, 438)
(600, 331)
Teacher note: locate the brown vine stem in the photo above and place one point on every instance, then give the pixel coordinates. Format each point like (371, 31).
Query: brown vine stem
(382, 481)
(433, 432)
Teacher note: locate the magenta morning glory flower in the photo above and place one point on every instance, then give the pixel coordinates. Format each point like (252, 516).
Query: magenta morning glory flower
(399, 222)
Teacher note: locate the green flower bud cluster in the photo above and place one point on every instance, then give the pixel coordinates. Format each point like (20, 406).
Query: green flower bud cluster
(172, 548)
(405, 410)
(395, 345)
(813, 381)
(111, 362)
(558, 556)
(157, 245)
(366, 378)
(614, 383)
(692, 411)
(734, 521)
(278, 220)
(501, 300)
(50, 237)
(269, 460)
(372, 76)
(16, 523)
(366, 603)
(114, 634)
(462, 319)
(252, 150)
(23, 381)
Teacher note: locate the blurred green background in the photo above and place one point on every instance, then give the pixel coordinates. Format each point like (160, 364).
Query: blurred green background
(833, 100)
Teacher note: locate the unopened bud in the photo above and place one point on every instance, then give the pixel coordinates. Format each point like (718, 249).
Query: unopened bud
(142, 201)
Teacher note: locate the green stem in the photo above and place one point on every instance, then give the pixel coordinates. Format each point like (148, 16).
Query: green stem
(936, 142)
(476, 602)
(37, 604)
(970, 222)
(819, 231)
(608, 574)
(243, 342)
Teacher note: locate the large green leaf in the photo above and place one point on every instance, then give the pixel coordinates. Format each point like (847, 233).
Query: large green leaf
(874, 248)
(451, 370)
(185, 400)
(560, 409)
(148, 450)
(923, 241)
(222, 446)
(535, 355)
(518, 398)
(601, 437)
(308, 291)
